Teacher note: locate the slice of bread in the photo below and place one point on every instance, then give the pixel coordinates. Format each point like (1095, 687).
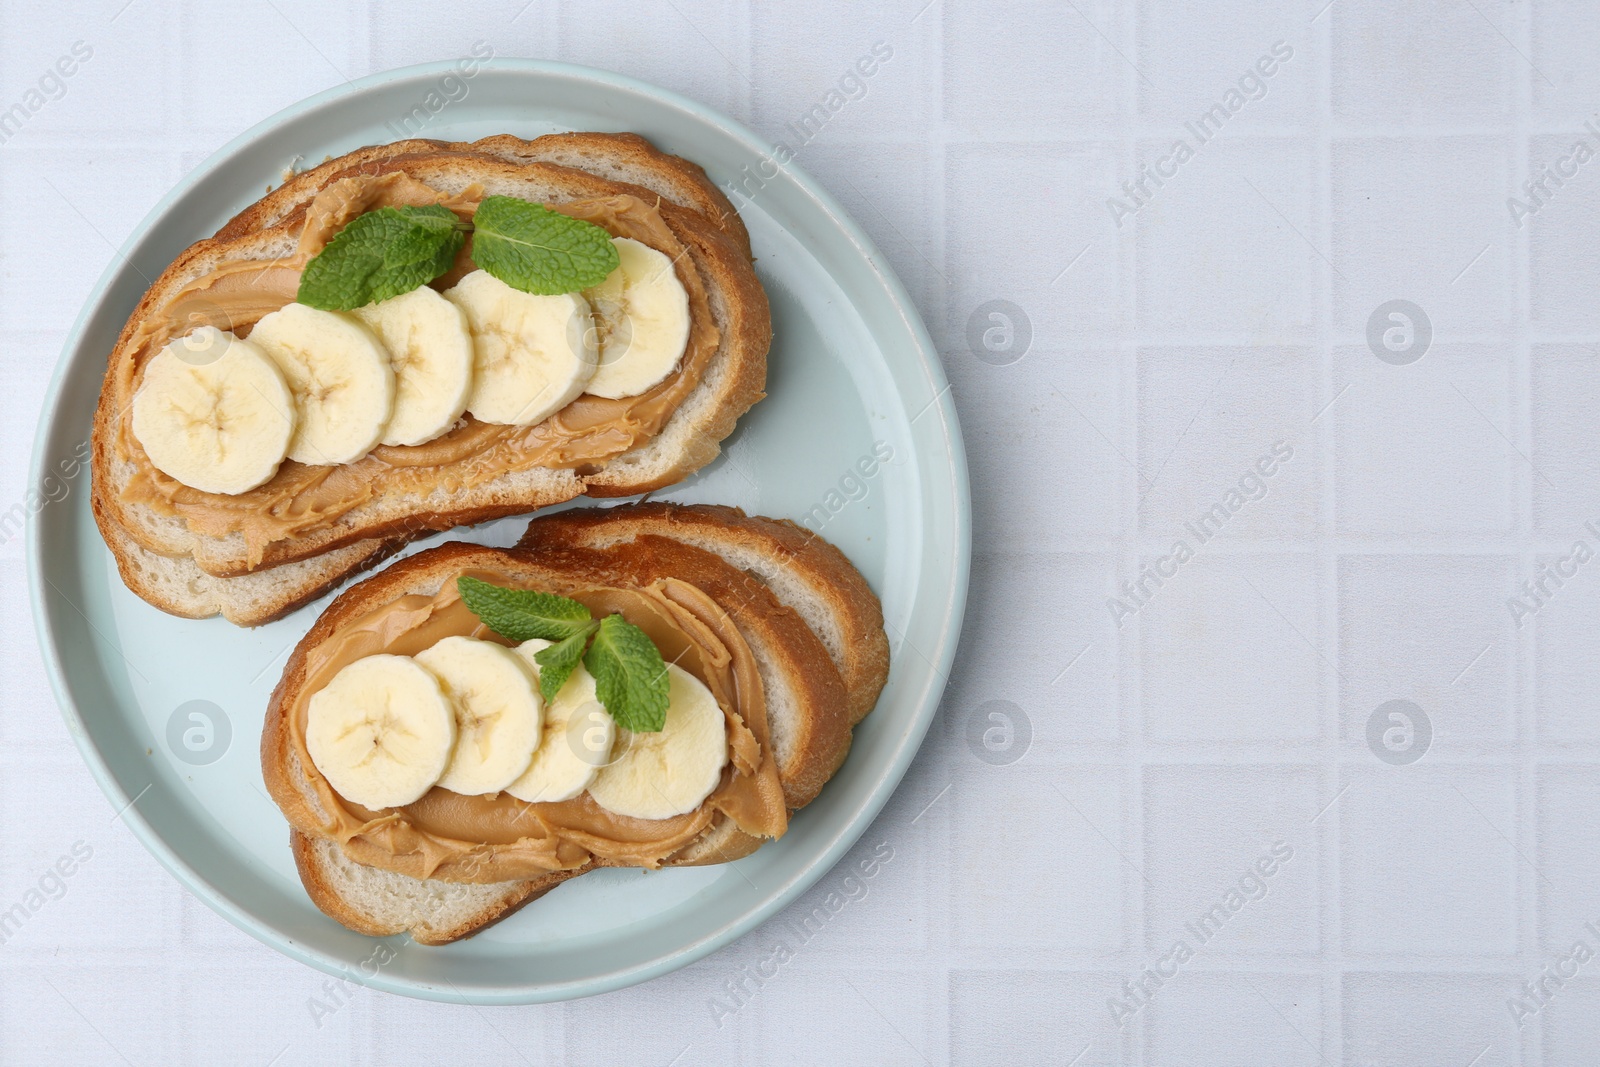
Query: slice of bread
(810, 704)
(732, 382)
(621, 157)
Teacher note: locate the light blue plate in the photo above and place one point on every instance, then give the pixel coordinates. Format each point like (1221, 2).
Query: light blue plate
(851, 366)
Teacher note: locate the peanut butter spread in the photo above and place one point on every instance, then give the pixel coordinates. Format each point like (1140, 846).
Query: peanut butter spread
(498, 837)
(300, 498)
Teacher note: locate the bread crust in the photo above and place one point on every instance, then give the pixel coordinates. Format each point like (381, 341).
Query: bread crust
(812, 748)
(690, 438)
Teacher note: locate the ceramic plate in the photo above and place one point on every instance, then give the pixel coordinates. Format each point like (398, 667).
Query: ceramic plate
(167, 712)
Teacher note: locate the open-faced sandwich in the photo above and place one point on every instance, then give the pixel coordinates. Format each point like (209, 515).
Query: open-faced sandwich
(413, 337)
(639, 686)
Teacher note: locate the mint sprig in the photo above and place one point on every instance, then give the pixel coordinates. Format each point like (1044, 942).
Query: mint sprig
(557, 662)
(393, 250)
(532, 248)
(630, 676)
(382, 254)
(523, 614)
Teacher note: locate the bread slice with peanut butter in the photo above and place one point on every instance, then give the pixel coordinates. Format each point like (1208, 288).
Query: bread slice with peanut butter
(183, 551)
(389, 872)
(619, 157)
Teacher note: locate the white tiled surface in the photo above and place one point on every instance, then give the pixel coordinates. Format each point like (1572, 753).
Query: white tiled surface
(1226, 714)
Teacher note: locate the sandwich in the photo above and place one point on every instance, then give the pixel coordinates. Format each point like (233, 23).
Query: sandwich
(413, 337)
(647, 686)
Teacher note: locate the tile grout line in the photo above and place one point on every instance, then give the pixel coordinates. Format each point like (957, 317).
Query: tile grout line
(1130, 644)
(1525, 486)
(1329, 823)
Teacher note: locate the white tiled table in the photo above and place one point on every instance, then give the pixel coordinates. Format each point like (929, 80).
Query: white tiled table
(1152, 764)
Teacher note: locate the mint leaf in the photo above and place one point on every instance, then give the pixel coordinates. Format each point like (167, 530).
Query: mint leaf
(379, 255)
(629, 676)
(557, 662)
(436, 217)
(523, 614)
(536, 250)
(431, 244)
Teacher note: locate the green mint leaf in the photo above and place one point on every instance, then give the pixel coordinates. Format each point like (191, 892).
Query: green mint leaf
(629, 676)
(379, 255)
(536, 250)
(557, 662)
(436, 235)
(523, 614)
(436, 217)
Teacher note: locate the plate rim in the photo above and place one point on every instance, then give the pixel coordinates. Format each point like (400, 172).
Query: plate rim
(925, 703)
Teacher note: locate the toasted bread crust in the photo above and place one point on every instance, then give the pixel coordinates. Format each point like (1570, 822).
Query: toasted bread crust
(690, 438)
(814, 743)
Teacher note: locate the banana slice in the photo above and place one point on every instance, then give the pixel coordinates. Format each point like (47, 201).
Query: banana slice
(430, 350)
(577, 738)
(668, 773)
(339, 374)
(214, 412)
(499, 715)
(532, 355)
(642, 311)
(381, 732)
